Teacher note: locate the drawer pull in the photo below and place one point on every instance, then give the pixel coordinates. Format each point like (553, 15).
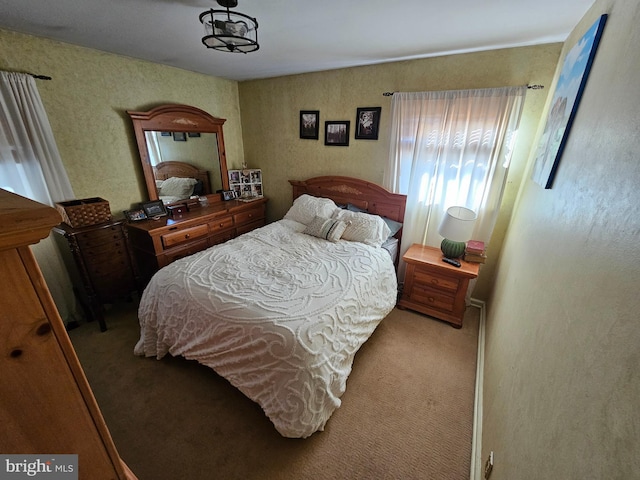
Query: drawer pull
(186, 235)
(434, 281)
(221, 225)
(431, 300)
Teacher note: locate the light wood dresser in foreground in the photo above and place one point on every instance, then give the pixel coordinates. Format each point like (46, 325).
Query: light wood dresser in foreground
(46, 404)
(434, 287)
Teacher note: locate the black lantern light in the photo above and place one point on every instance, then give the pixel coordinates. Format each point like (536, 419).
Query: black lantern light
(229, 31)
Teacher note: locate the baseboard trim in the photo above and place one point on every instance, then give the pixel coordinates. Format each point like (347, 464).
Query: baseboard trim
(476, 442)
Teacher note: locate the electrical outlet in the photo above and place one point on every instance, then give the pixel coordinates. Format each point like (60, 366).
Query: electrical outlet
(488, 466)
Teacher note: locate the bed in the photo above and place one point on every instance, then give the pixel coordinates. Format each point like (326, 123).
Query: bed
(281, 311)
(177, 181)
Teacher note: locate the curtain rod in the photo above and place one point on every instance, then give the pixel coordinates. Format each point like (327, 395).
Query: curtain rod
(34, 75)
(530, 87)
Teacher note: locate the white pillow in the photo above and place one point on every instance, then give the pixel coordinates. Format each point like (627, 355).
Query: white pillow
(305, 208)
(177, 187)
(327, 228)
(362, 227)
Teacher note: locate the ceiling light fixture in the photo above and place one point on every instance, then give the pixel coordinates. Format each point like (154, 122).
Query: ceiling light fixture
(229, 31)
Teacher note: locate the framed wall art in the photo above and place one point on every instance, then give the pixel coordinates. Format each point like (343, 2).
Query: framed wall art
(309, 124)
(566, 98)
(179, 137)
(336, 133)
(367, 123)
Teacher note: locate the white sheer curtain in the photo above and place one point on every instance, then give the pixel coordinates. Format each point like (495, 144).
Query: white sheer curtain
(30, 166)
(451, 148)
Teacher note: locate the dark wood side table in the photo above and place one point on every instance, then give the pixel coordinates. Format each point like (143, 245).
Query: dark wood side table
(434, 287)
(100, 263)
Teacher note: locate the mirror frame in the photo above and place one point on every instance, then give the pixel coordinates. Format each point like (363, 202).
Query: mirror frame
(176, 118)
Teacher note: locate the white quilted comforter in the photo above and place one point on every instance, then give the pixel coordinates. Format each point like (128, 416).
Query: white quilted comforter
(278, 313)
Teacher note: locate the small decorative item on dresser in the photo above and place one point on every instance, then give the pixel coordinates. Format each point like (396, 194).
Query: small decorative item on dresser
(87, 211)
(154, 209)
(135, 215)
(177, 210)
(475, 252)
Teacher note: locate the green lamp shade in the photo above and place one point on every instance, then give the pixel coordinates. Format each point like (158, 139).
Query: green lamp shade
(452, 249)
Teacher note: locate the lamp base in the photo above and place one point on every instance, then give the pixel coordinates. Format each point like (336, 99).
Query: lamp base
(451, 249)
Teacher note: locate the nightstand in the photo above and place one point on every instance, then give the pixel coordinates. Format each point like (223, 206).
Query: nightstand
(434, 287)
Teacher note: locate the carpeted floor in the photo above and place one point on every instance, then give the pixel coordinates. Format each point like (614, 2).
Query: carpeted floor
(407, 412)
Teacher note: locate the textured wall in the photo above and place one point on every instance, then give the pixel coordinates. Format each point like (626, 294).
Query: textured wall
(561, 384)
(87, 101)
(271, 109)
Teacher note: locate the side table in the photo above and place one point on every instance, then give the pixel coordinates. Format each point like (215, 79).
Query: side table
(434, 287)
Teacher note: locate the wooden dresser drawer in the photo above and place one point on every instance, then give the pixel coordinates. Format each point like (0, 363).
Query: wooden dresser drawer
(247, 227)
(432, 297)
(249, 216)
(184, 235)
(177, 253)
(99, 237)
(424, 277)
(220, 224)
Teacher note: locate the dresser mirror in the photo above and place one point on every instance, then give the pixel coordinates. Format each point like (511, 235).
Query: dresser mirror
(182, 152)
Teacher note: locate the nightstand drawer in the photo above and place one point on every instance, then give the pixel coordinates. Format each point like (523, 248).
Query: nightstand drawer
(95, 238)
(424, 277)
(432, 298)
(185, 235)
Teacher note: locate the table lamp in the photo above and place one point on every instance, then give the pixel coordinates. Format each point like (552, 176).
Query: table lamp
(456, 228)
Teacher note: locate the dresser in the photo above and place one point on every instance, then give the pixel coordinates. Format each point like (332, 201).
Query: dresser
(434, 287)
(100, 264)
(46, 404)
(157, 243)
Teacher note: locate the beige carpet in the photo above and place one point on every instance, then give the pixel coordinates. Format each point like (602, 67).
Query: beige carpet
(407, 412)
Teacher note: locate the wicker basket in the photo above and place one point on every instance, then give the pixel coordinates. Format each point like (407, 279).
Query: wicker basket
(88, 211)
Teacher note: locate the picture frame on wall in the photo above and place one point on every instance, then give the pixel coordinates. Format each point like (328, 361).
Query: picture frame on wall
(367, 123)
(336, 133)
(564, 105)
(309, 124)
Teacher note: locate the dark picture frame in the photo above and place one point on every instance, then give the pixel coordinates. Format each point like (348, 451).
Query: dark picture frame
(564, 105)
(135, 215)
(154, 209)
(193, 134)
(179, 136)
(336, 133)
(228, 195)
(367, 123)
(310, 124)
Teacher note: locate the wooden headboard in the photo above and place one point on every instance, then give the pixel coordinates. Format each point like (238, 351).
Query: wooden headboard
(166, 170)
(365, 195)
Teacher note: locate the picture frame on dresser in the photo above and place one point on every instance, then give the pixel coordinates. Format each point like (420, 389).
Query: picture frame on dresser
(154, 209)
(135, 215)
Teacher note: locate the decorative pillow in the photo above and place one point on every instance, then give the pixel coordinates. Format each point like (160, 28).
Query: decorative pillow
(305, 208)
(362, 227)
(177, 187)
(394, 226)
(327, 228)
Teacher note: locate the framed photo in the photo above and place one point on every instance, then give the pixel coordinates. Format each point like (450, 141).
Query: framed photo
(193, 134)
(135, 215)
(154, 209)
(566, 98)
(367, 123)
(165, 134)
(179, 137)
(336, 133)
(309, 124)
(228, 195)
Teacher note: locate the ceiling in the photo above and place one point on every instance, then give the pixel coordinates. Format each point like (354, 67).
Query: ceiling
(296, 36)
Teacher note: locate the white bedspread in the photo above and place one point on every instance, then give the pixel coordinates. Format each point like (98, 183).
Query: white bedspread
(278, 313)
